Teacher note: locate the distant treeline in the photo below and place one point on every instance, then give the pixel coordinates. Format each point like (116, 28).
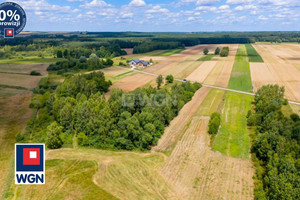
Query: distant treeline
(151, 46)
(93, 40)
(121, 34)
(212, 40)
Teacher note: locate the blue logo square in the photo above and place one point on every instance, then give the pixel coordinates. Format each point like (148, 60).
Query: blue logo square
(30, 163)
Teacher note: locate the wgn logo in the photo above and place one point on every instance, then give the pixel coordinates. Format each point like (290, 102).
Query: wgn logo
(30, 164)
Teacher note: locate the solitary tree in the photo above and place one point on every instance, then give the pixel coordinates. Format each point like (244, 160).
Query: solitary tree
(159, 81)
(53, 140)
(170, 79)
(59, 54)
(217, 51)
(66, 53)
(205, 51)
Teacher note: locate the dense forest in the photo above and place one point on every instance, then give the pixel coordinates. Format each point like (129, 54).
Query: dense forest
(151, 46)
(133, 120)
(275, 148)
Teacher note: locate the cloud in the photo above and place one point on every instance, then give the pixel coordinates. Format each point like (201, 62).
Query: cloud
(126, 15)
(42, 6)
(261, 17)
(75, 0)
(245, 7)
(95, 4)
(238, 1)
(224, 7)
(197, 2)
(137, 3)
(157, 9)
(206, 2)
(207, 8)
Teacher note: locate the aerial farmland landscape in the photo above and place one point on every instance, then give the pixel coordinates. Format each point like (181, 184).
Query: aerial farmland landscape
(200, 110)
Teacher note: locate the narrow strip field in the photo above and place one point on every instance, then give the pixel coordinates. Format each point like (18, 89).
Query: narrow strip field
(200, 74)
(206, 58)
(233, 137)
(220, 74)
(177, 125)
(252, 54)
(212, 103)
(168, 52)
(240, 76)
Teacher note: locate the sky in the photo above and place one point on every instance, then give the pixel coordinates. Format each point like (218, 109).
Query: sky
(161, 15)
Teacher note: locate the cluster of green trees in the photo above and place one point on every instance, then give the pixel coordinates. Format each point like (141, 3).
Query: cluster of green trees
(224, 52)
(133, 120)
(151, 46)
(214, 123)
(94, 62)
(275, 146)
(111, 51)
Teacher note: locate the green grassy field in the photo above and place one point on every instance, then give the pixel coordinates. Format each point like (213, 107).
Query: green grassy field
(206, 58)
(240, 76)
(167, 52)
(212, 103)
(75, 182)
(252, 54)
(233, 137)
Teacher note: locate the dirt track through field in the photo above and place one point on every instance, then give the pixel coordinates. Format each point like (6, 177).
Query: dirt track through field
(177, 125)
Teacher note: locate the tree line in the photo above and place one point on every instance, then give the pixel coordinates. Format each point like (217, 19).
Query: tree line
(71, 65)
(275, 149)
(151, 46)
(127, 120)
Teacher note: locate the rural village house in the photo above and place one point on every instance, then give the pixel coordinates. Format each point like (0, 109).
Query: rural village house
(140, 63)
